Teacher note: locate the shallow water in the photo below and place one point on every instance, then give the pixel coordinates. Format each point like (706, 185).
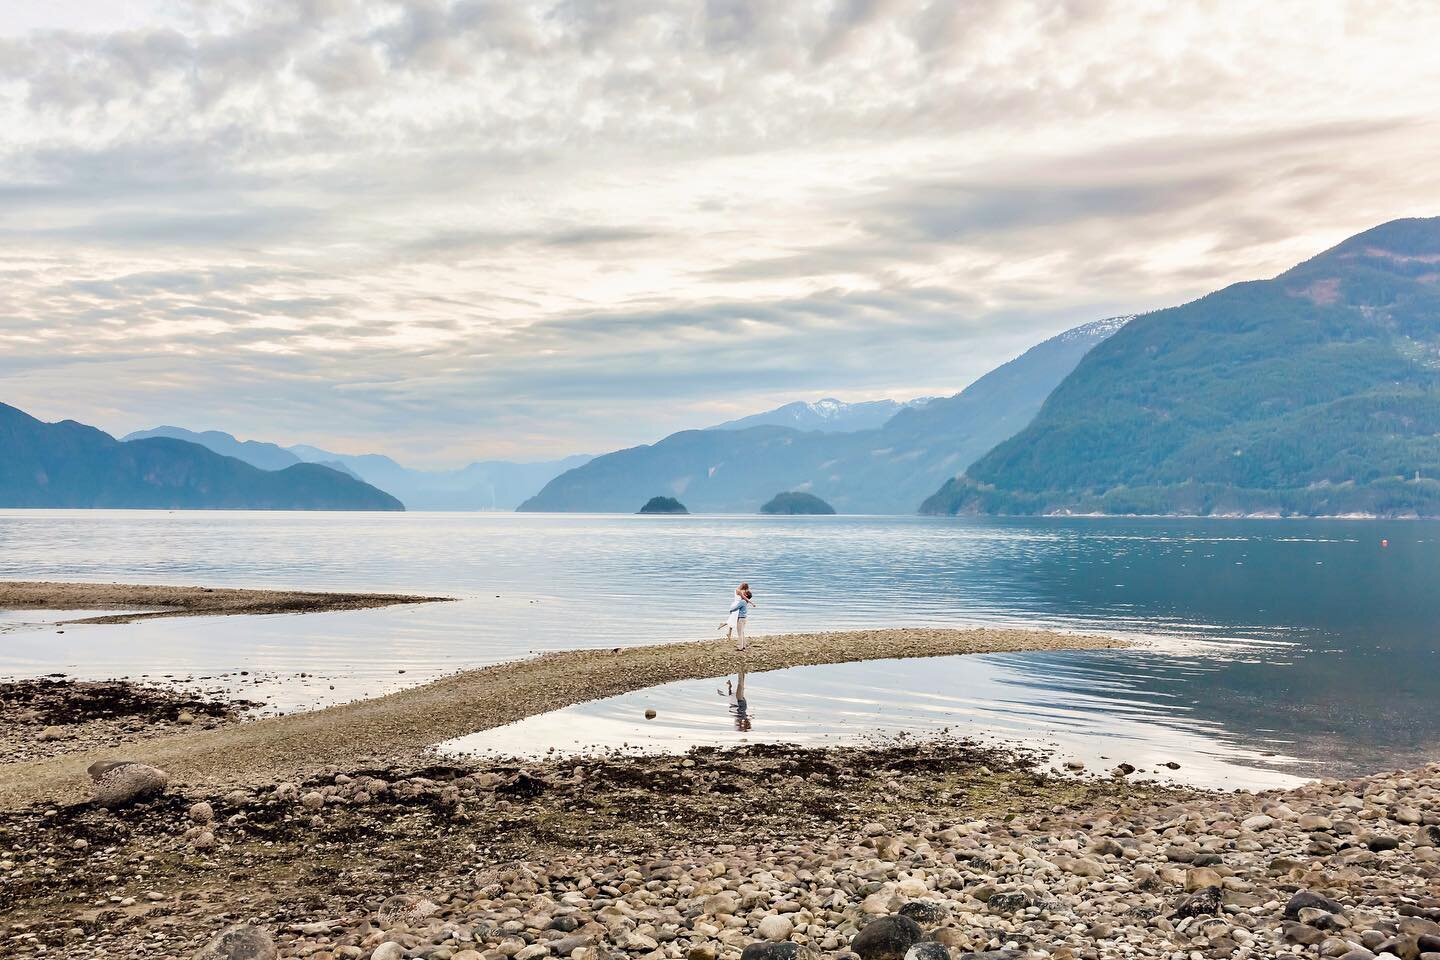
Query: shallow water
(1301, 638)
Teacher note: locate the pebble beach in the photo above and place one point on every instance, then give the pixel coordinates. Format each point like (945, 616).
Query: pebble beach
(184, 832)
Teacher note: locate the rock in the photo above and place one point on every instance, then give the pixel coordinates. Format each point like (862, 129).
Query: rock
(775, 928)
(1303, 934)
(1010, 902)
(204, 840)
(313, 800)
(1309, 898)
(1261, 821)
(706, 951)
(928, 950)
(887, 938)
(1084, 867)
(775, 951)
(1380, 842)
(524, 785)
(404, 909)
(650, 713)
(1074, 766)
(390, 950)
(1200, 903)
(202, 812)
(241, 942)
(1106, 847)
(52, 733)
(721, 904)
(119, 783)
(1198, 878)
(926, 912)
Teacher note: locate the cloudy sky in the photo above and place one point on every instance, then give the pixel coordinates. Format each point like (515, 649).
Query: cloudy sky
(455, 230)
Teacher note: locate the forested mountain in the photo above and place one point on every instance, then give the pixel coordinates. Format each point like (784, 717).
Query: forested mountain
(1314, 393)
(69, 464)
(886, 470)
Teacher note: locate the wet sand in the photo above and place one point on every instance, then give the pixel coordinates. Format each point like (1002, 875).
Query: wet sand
(400, 727)
(153, 601)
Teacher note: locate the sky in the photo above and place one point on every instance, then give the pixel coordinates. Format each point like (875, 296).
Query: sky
(465, 230)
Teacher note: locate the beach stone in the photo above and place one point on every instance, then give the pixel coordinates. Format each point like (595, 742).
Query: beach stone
(928, 950)
(927, 912)
(119, 783)
(1309, 898)
(1198, 878)
(405, 909)
(721, 904)
(389, 950)
(887, 938)
(775, 928)
(1106, 847)
(774, 951)
(1261, 821)
(52, 733)
(1303, 934)
(240, 942)
(1200, 903)
(202, 812)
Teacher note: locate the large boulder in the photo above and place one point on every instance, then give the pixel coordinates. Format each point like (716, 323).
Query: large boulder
(119, 783)
(241, 942)
(887, 938)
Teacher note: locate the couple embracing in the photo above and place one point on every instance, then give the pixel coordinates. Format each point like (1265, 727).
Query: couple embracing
(734, 627)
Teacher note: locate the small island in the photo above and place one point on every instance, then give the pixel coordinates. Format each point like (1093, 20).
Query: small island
(663, 505)
(794, 502)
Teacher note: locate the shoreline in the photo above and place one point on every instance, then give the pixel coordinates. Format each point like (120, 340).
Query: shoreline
(793, 852)
(401, 727)
(138, 600)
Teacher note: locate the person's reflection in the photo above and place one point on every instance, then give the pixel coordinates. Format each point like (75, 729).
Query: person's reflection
(739, 706)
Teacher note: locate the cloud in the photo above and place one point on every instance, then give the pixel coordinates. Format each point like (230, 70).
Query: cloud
(463, 228)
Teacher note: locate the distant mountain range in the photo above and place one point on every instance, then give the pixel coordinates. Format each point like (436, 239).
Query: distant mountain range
(828, 415)
(487, 485)
(889, 469)
(69, 464)
(1313, 393)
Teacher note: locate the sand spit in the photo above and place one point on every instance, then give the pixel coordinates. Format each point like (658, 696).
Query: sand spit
(161, 601)
(399, 728)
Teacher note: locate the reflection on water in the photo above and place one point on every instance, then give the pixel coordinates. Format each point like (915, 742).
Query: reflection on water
(989, 697)
(1305, 638)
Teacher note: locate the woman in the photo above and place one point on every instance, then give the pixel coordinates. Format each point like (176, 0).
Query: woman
(740, 606)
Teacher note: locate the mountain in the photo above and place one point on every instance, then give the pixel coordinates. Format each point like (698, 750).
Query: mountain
(885, 470)
(828, 415)
(488, 485)
(1316, 392)
(485, 485)
(69, 464)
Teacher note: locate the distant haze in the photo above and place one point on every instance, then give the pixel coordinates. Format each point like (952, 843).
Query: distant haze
(458, 231)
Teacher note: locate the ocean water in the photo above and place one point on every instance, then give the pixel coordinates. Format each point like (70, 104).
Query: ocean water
(1299, 646)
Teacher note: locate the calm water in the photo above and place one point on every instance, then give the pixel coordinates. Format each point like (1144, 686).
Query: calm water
(1305, 640)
